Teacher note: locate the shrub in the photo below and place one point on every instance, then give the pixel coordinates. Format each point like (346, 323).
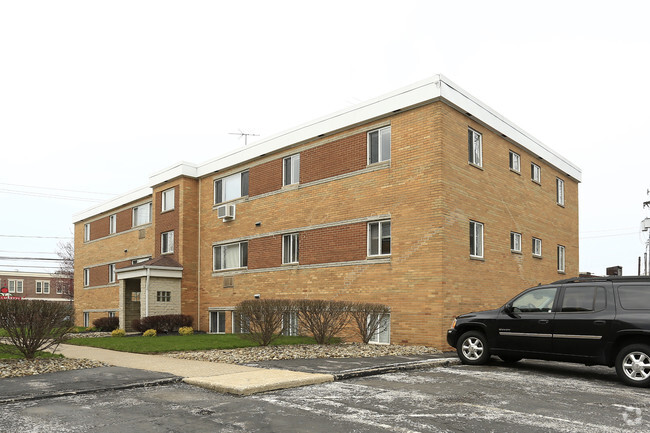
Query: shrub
(323, 319)
(150, 333)
(162, 324)
(263, 318)
(186, 330)
(106, 324)
(370, 319)
(118, 333)
(31, 326)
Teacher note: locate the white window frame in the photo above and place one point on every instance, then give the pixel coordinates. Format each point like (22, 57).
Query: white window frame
(86, 319)
(112, 224)
(476, 230)
(138, 220)
(291, 170)
(219, 251)
(15, 286)
(561, 258)
(87, 232)
(290, 329)
(379, 239)
(222, 192)
(537, 247)
(167, 199)
(111, 314)
(111, 273)
(383, 149)
(514, 161)
(382, 336)
(559, 184)
(42, 287)
(86, 277)
(475, 147)
(535, 173)
(515, 242)
(163, 296)
(216, 326)
(290, 248)
(167, 242)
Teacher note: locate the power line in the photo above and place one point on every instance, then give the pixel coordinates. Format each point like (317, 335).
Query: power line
(57, 189)
(35, 237)
(27, 252)
(62, 197)
(31, 258)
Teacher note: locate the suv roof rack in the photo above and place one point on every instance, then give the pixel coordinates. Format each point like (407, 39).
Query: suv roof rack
(604, 278)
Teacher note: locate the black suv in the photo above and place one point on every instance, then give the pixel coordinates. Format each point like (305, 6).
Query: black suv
(592, 321)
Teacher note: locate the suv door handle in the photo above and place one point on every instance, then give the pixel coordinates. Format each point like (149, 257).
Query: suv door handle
(599, 322)
(543, 321)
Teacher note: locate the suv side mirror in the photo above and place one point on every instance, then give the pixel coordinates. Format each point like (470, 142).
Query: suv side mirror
(509, 310)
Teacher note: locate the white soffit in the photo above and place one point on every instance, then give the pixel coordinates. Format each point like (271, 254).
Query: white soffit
(137, 194)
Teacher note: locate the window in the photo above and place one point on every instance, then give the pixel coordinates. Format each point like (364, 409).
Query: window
(112, 224)
(382, 335)
(163, 296)
(15, 286)
(583, 299)
(230, 256)
(290, 323)
(379, 238)
(515, 242)
(290, 248)
(231, 187)
(86, 277)
(560, 191)
(634, 297)
(43, 287)
(86, 319)
(167, 243)
(59, 289)
(168, 199)
(560, 259)
(379, 145)
(135, 296)
(475, 147)
(218, 322)
(291, 170)
(537, 247)
(535, 301)
(142, 214)
(535, 173)
(240, 324)
(86, 232)
(111, 314)
(475, 239)
(515, 162)
(111, 273)
(143, 259)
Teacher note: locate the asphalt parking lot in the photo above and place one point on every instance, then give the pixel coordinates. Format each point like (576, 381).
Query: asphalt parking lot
(533, 396)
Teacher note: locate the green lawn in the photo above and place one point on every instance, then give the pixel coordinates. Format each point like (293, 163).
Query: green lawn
(172, 343)
(10, 352)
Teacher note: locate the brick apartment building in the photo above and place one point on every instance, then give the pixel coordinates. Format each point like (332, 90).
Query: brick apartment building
(35, 285)
(423, 199)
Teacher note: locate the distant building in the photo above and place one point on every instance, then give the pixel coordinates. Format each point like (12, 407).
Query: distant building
(35, 285)
(424, 199)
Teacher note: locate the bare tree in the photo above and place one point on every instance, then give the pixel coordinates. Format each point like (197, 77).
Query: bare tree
(323, 319)
(264, 318)
(64, 276)
(371, 319)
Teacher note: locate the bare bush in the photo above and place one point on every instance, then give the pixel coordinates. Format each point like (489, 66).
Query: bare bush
(106, 324)
(162, 324)
(263, 318)
(370, 319)
(323, 319)
(35, 325)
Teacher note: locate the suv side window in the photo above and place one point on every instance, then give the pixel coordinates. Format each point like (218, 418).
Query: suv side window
(583, 299)
(634, 297)
(535, 301)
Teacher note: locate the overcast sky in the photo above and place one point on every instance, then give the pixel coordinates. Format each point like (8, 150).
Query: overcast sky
(97, 96)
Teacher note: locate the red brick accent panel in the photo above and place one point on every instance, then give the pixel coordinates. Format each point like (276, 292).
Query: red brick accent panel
(338, 157)
(124, 220)
(265, 252)
(100, 228)
(166, 221)
(265, 177)
(333, 244)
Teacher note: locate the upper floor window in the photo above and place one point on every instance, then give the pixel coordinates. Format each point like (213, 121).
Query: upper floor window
(515, 242)
(112, 224)
(86, 277)
(142, 214)
(168, 199)
(379, 145)
(167, 242)
(290, 248)
(537, 247)
(475, 239)
(379, 238)
(475, 147)
(231, 256)
(43, 287)
(535, 172)
(561, 261)
(15, 286)
(291, 169)
(231, 187)
(560, 191)
(111, 273)
(515, 162)
(86, 232)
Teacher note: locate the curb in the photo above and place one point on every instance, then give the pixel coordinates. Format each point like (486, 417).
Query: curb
(156, 382)
(392, 368)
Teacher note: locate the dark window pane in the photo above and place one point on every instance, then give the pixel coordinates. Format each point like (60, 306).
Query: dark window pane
(218, 192)
(577, 299)
(470, 145)
(244, 184)
(243, 251)
(217, 257)
(287, 171)
(634, 297)
(385, 144)
(374, 238)
(601, 299)
(222, 321)
(374, 146)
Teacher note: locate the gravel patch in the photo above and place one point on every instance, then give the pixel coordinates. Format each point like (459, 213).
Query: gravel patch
(302, 351)
(25, 367)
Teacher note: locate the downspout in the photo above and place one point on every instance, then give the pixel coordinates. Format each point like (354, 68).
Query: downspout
(198, 268)
(146, 294)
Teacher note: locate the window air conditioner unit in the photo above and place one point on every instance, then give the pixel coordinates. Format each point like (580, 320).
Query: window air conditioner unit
(226, 212)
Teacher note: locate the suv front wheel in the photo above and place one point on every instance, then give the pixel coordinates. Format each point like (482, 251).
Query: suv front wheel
(472, 348)
(633, 365)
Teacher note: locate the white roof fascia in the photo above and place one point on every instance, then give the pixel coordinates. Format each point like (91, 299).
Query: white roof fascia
(122, 200)
(154, 271)
(179, 169)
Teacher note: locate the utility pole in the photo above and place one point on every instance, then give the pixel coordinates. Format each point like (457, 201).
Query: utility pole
(645, 226)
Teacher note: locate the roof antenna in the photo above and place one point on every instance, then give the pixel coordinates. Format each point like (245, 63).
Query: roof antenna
(245, 135)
